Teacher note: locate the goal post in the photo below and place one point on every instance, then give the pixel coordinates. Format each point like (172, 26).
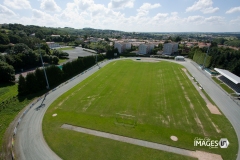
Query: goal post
(125, 120)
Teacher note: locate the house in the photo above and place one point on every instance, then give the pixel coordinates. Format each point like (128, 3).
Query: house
(170, 48)
(145, 48)
(55, 35)
(32, 35)
(179, 58)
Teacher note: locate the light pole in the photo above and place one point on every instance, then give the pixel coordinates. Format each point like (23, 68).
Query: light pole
(43, 66)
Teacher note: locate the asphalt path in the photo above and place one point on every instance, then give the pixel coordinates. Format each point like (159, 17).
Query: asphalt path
(29, 140)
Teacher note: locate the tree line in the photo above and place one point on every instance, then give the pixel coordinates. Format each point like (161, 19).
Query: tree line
(36, 81)
(20, 56)
(218, 57)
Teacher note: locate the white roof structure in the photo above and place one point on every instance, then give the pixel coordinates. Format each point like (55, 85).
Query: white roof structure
(235, 79)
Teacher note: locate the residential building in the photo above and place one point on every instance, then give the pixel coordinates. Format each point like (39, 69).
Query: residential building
(145, 48)
(32, 35)
(170, 48)
(122, 46)
(55, 35)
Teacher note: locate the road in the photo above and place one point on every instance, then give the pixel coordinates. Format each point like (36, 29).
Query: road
(29, 141)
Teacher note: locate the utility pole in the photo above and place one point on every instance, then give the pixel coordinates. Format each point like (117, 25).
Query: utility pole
(43, 66)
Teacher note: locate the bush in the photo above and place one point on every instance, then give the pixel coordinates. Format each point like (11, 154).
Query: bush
(7, 72)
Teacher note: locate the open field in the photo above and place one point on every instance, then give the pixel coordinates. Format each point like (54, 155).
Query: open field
(159, 95)
(224, 86)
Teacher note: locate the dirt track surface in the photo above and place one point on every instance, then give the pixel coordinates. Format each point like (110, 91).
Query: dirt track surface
(30, 143)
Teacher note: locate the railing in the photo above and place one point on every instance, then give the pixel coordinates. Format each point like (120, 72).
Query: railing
(40, 98)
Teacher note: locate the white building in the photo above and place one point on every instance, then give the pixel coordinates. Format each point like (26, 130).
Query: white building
(145, 48)
(179, 58)
(122, 46)
(52, 45)
(170, 48)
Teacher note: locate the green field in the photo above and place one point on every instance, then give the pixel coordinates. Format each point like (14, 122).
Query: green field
(62, 61)
(66, 48)
(159, 95)
(224, 86)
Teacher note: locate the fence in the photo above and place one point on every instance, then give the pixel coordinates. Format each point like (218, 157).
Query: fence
(40, 98)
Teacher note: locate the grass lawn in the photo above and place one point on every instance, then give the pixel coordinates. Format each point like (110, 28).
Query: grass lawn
(7, 91)
(62, 61)
(224, 86)
(159, 95)
(66, 48)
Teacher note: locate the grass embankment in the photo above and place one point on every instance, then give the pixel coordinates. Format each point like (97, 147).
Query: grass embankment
(66, 48)
(159, 95)
(10, 106)
(62, 61)
(224, 86)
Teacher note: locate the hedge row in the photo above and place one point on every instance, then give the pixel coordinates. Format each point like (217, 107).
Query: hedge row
(36, 81)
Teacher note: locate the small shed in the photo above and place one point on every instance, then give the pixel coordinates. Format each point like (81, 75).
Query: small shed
(179, 58)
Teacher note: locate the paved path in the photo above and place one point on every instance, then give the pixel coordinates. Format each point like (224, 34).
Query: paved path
(196, 154)
(30, 143)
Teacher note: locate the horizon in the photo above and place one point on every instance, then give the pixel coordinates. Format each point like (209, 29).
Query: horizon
(126, 15)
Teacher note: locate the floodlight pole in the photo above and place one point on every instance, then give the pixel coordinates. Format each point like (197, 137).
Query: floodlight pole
(43, 66)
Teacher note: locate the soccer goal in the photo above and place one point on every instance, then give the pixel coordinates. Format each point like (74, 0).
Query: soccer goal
(125, 120)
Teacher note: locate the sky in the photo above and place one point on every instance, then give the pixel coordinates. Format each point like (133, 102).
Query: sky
(126, 15)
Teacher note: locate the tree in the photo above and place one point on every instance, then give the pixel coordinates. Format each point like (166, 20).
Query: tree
(46, 48)
(22, 88)
(7, 72)
(4, 39)
(20, 47)
(177, 39)
(160, 46)
(55, 60)
(14, 38)
(39, 34)
(31, 82)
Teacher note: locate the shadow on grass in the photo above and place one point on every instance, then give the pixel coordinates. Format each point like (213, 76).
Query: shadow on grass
(21, 98)
(2, 85)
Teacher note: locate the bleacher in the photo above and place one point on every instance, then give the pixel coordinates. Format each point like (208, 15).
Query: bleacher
(235, 87)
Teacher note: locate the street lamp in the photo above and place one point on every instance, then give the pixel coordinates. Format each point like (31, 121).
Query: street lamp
(43, 66)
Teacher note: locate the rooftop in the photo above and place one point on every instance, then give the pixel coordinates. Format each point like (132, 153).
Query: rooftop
(234, 78)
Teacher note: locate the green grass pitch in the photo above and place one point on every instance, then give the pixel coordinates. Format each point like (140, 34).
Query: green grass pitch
(162, 100)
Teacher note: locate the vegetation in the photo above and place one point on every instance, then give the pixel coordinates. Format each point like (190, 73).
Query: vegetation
(66, 48)
(7, 73)
(161, 106)
(224, 86)
(219, 57)
(202, 58)
(35, 82)
(234, 43)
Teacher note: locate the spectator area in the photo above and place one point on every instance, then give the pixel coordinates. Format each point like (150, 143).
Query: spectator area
(230, 79)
